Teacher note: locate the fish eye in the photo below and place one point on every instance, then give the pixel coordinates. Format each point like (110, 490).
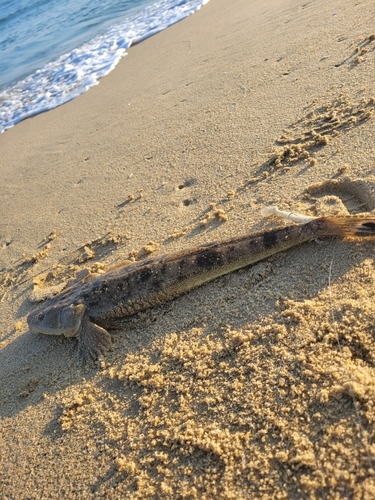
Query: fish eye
(40, 316)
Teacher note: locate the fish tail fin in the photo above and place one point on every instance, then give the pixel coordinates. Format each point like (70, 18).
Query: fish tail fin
(346, 226)
(93, 341)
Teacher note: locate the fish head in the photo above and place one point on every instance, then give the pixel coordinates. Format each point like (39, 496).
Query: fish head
(57, 320)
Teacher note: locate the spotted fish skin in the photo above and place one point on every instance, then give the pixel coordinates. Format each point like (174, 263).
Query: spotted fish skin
(86, 309)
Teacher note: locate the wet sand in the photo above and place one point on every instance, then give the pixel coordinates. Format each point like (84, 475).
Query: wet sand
(258, 385)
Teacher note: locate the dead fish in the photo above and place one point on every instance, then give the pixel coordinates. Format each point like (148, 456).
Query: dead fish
(86, 309)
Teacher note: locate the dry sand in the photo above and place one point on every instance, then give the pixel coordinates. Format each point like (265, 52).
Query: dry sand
(258, 385)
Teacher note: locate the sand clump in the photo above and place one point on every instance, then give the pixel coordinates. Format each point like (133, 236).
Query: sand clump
(319, 127)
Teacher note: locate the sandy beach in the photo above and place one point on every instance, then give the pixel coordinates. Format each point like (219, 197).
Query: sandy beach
(260, 384)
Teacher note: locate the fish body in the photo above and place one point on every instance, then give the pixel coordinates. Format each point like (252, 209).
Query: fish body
(86, 309)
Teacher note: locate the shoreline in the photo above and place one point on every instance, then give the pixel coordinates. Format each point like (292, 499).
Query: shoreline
(72, 73)
(238, 388)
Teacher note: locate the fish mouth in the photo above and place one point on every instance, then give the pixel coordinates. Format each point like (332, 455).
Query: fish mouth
(44, 331)
(35, 329)
(29, 324)
(32, 328)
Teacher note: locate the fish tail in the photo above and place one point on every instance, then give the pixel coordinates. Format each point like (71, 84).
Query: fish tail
(345, 226)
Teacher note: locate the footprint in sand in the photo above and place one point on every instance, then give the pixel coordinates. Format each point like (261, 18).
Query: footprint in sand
(344, 196)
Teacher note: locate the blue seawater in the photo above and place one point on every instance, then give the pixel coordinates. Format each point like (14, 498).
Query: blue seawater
(52, 51)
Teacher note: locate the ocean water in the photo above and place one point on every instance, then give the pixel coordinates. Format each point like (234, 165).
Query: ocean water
(53, 51)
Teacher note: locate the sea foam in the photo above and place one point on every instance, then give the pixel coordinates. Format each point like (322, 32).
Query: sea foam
(73, 73)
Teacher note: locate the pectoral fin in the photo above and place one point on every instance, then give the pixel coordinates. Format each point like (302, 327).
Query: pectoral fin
(93, 340)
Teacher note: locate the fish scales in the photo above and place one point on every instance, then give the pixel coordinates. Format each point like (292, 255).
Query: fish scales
(145, 284)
